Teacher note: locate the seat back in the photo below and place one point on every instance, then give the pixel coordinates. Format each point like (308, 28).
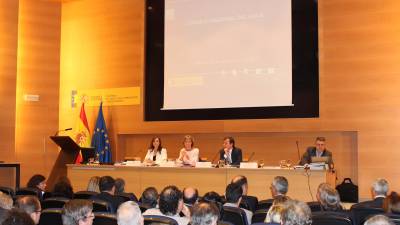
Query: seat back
(361, 213)
(264, 204)
(54, 202)
(221, 222)
(51, 217)
(101, 206)
(128, 197)
(27, 191)
(104, 219)
(84, 194)
(259, 216)
(395, 218)
(153, 220)
(331, 218)
(8, 190)
(235, 215)
(314, 206)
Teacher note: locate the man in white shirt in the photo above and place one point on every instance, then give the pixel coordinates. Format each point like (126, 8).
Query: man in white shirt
(233, 194)
(170, 205)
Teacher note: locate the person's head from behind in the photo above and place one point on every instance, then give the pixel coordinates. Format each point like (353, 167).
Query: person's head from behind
(78, 212)
(296, 213)
(129, 213)
(211, 196)
(380, 188)
(329, 199)
(37, 181)
(279, 186)
(274, 214)
(242, 181)
(119, 186)
(321, 188)
(379, 220)
(6, 202)
(93, 184)
(233, 193)
(107, 184)
(150, 197)
(391, 204)
(204, 214)
(18, 217)
(63, 188)
(190, 195)
(31, 205)
(280, 200)
(171, 201)
(320, 144)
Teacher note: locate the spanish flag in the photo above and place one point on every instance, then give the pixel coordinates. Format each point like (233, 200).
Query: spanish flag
(82, 136)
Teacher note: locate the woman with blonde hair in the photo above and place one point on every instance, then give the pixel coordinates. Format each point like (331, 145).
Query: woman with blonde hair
(188, 154)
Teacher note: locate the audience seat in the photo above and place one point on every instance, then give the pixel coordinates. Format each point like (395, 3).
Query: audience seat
(259, 216)
(8, 190)
(28, 191)
(220, 222)
(149, 220)
(314, 206)
(84, 194)
(54, 202)
(50, 217)
(394, 217)
(331, 218)
(235, 215)
(101, 206)
(128, 197)
(104, 219)
(264, 204)
(361, 213)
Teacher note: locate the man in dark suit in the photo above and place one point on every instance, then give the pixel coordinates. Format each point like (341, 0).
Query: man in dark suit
(248, 202)
(107, 190)
(230, 154)
(318, 151)
(379, 191)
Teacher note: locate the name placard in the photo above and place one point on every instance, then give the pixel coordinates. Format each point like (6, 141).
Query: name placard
(203, 165)
(249, 165)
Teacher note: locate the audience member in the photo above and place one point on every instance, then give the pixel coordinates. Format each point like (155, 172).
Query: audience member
(107, 191)
(391, 204)
(379, 191)
(229, 153)
(6, 204)
(329, 199)
(233, 195)
(188, 154)
(279, 186)
(274, 212)
(204, 214)
(213, 197)
(31, 205)
(120, 189)
(190, 196)
(38, 182)
(93, 184)
(149, 197)
(248, 202)
(129, 213)
(78, 212)
(17, 217)
(379, 220)
(63, 188)
(296, 213)
(171, 204)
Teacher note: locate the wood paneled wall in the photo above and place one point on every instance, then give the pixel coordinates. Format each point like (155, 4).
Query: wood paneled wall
(102, 46)
(39, 37)
(8, 71)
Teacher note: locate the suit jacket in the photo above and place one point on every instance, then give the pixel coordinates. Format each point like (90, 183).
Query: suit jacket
(236, 155)
(312, 152)
(376, 203)
(249, 202)
(115, 201)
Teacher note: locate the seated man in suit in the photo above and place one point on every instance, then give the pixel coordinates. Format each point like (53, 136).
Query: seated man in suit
(230, 154)
(318, 151)
(129, 214)
(78, 212)
(204, 214)
(233, 195)
(379, 191)
(31, 205)
(248, 202)
(190, 196)
(107, 191)
(279, 187)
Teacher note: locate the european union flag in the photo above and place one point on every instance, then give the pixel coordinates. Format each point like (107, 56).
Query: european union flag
(100, 139)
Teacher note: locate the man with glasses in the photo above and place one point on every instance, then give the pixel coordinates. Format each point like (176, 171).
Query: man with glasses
(78, 212)
(31, 205)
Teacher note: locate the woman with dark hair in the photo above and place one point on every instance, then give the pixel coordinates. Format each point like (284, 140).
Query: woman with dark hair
(37, 182)
(156, 154)
(63, 188)
(391, 204)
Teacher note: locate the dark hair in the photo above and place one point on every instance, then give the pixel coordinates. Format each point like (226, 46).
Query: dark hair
(159, 146)
(391, 204)
(150, 197)
(28, 204)
(17, 217)
(35, 181)
(106, 183)
(231, 140)
(320, 139)
(212, 196)
(240, 180)
(204, 214)
(190, 199)
(233, 193)
(63, 188)
(169, 200)
(119, 186)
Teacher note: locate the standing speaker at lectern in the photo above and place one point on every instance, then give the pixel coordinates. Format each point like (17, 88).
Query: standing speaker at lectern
(318, 151)
(230, 154)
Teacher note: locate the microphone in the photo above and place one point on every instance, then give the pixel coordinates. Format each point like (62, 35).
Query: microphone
(215, 156)
(67, 129)
(251, 156)
(298, 151)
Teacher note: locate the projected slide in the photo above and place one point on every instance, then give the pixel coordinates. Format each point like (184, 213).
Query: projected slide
(227, 54)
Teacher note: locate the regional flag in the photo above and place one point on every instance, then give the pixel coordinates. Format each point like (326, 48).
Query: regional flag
(100, 139)
(82, 136)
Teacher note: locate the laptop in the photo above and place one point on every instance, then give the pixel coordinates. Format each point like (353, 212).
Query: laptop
(322, 159)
